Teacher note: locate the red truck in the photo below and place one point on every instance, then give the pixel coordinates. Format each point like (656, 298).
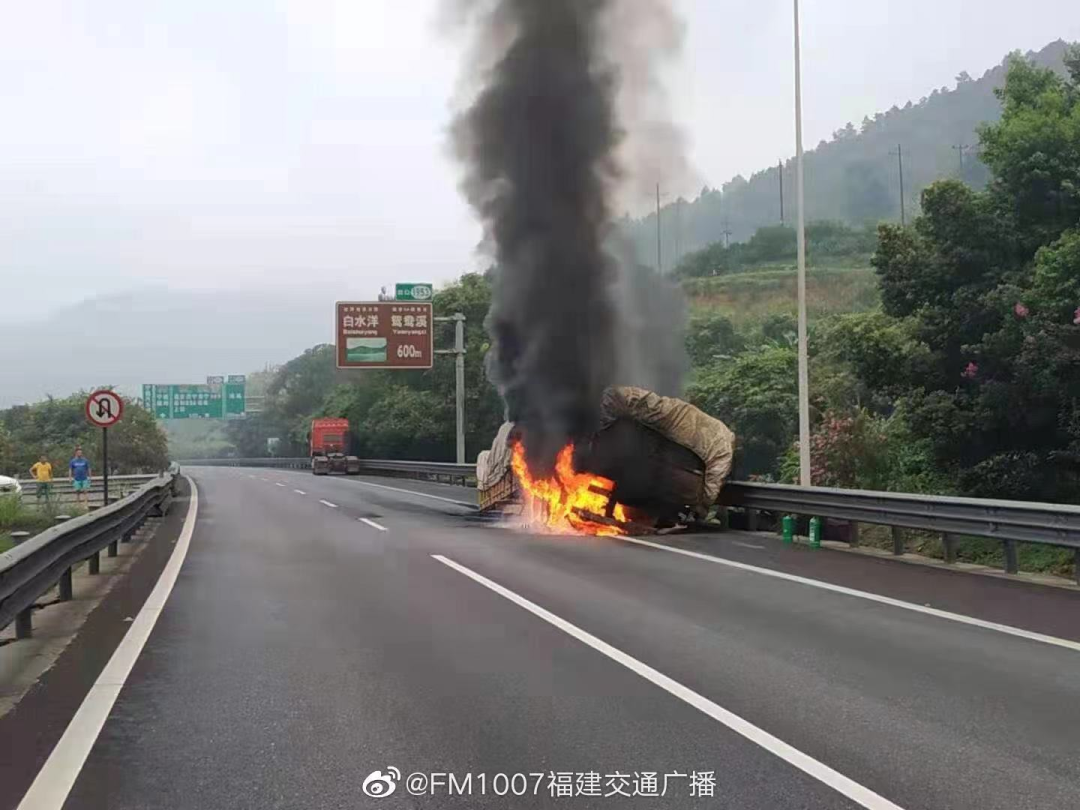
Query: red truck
(329, 441)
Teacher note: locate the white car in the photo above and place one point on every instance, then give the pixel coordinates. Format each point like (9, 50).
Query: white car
(10, 486)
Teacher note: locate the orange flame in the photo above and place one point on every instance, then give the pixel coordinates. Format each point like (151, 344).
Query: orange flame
(554, 501)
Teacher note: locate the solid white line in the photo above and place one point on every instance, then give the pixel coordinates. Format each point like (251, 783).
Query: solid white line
(807, 764)
(50, 788)
(327, 503)
(414, 492)
(373, 524)
(873, 597)
(745, 545)
(299, 492)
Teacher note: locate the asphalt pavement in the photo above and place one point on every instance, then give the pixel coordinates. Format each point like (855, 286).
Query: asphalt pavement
(322, 629)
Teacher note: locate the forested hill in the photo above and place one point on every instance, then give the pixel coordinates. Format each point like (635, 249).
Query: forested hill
(852, 177)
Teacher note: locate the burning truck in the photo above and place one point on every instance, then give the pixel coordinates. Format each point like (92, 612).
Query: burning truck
(654, 462)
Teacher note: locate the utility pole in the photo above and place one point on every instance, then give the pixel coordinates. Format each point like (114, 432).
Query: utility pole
(804, 373)
(960, 147)
(459, 373)
(678, 232)
(659, 262)
(726, 233)
(780, 174)
(900, 166)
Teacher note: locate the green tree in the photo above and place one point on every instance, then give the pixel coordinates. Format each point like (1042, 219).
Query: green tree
(56, 426)
(988, 281)
(710, 337)
(756, 395)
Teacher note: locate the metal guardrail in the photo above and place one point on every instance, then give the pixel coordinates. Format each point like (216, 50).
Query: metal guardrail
(45, 561)
(430, 469)
(1009, 522)
(62, 491)
(301, 463)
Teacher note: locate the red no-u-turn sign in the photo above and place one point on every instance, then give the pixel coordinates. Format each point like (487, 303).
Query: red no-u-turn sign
(104, 408)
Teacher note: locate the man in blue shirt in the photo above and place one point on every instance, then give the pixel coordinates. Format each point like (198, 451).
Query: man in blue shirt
(79, 468)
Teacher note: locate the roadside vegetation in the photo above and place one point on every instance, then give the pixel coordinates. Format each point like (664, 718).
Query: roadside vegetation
(54, 427)
(22, 515)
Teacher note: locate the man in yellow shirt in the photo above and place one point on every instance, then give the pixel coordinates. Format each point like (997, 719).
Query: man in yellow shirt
(42, 473)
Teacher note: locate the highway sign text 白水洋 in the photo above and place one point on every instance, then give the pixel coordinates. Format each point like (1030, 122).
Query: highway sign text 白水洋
(384, 334)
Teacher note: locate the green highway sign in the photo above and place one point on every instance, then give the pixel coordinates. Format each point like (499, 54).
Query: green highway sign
(234, 396)
(414, 292)
(196, 402)
(218, 398)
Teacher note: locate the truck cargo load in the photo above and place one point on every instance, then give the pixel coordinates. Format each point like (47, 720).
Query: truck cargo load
(662, 457)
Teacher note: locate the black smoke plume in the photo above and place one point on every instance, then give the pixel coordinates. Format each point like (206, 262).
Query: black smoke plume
(540, 143)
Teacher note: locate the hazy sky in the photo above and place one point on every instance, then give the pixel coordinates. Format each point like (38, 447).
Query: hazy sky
(210, 144)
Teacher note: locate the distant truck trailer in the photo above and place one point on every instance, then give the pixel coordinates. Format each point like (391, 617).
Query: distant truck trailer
(329, 442)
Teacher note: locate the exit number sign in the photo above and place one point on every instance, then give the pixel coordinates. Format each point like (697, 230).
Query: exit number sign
(413, 292)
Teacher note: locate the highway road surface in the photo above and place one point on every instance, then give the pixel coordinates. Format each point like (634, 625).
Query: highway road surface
(322, 629)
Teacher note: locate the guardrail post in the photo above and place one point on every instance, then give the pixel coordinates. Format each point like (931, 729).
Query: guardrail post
(112, 549)
(948, 543)
(94, 561)
(65, 585)
(897, 541)
(24, 623)
(853, 534)
(1011, 566)
(723, 515)
(752, 520)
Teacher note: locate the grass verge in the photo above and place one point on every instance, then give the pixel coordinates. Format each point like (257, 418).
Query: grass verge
(749, 297)
(15, 516)
(1031, 557)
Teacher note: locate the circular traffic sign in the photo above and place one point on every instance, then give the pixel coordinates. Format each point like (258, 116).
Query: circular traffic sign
(104, 408)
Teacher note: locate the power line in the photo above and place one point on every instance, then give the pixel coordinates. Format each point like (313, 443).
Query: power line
(900, 167)
(678, 232)
(659, 262)
(780, 173)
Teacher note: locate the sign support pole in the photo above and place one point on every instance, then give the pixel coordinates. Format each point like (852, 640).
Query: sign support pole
(459, 399)
(105, 463)
(103, 409)
(459, 373)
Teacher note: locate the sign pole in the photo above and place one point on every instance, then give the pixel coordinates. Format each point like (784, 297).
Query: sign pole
(459, 399)
(459, 373)
(104, 408)
(105, 463)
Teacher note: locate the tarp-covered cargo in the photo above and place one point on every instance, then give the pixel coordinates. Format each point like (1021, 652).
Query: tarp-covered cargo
(662, 453)
(707, 438)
